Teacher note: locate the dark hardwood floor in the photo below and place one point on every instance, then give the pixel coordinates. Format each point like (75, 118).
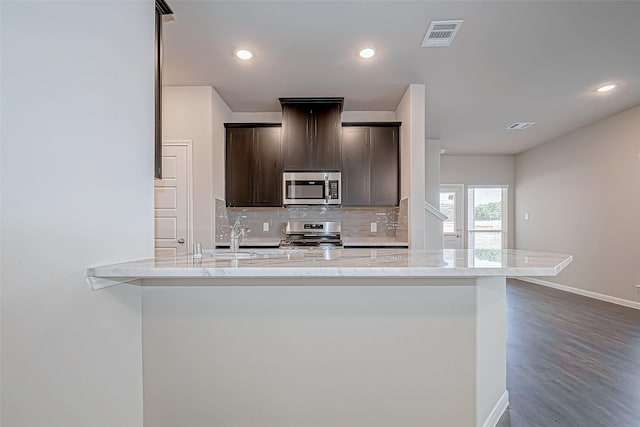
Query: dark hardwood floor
(571, 361)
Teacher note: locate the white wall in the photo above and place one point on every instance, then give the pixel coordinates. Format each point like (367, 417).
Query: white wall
(582, 194)
(266, 117)
(198, 114)
(1, 213)
(411, 112)
(324, 355)
(368, 116)
(483, 170)
(221, 115)
(77, 190)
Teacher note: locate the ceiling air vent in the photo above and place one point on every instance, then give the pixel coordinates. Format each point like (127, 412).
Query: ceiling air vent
(441, 33)
(521, 125)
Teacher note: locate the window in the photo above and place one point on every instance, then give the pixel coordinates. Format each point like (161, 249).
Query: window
(487, 217)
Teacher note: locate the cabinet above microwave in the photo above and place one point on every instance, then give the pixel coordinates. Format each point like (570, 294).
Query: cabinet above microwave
(311, 132)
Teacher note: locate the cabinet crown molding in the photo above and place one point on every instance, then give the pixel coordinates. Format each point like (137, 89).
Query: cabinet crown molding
(251, 125)
(372, 124)
(324, 100)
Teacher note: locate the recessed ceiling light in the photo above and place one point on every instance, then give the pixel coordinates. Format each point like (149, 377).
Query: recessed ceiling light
(244, 54)
(607, 88)
(367, 52)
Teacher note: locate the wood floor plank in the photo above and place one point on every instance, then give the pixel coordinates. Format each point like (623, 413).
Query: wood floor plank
(571, 360)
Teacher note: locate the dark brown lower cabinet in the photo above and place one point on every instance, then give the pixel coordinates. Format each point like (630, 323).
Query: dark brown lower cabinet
(253, 166)
(370, 164)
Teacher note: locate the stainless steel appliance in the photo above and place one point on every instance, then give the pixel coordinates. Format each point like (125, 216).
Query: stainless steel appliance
(311, 188)
(312, 233)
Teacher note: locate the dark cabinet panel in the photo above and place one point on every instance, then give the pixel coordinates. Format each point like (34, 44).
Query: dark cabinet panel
(296, 122)
(237, 171)
(268, 167)
(311, 133)
(253, 167)
(370, 165)
(327, 128)
(356, 169)
(384, 166)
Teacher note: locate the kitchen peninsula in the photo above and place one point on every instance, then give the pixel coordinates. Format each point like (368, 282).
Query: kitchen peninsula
(335, 337)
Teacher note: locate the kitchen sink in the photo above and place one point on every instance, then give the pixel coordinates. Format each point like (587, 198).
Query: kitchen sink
(251, 253)
(226, 254)
(275, 251)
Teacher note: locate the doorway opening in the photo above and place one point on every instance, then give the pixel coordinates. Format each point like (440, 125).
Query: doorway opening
(173, 213)
(452, 205)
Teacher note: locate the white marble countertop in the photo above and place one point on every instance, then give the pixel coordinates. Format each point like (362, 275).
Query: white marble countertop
(274, 263)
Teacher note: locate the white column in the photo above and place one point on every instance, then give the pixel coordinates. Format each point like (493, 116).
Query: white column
(433, 225)
(77, 175)
(411, 112)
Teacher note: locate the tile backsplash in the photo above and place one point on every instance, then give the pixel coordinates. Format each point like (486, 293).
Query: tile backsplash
(356, 222)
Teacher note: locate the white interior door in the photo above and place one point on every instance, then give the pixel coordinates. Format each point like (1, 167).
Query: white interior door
(173, 233)
(452, 205)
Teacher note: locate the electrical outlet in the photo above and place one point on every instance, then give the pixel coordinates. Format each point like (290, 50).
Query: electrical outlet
(265, 226)
(374, 227)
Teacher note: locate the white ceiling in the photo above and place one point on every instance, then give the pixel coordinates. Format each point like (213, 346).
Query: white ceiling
(533, 61)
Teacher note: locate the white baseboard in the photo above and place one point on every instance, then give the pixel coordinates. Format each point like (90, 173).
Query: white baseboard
(497, 411)
(595, 295)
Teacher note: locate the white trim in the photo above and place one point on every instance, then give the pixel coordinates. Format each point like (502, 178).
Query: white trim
(189, 144)
(496, 413)
(590, 294)
(434, 211)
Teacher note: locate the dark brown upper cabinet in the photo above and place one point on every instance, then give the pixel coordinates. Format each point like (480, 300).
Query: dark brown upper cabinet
(162, 8)
(253, 166)
(311, 133)
(370, 164)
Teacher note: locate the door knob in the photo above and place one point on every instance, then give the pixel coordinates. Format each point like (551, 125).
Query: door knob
(181, 241)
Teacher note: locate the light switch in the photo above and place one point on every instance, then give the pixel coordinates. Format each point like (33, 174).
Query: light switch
(526, 216)
(374, 227)
(265, 226)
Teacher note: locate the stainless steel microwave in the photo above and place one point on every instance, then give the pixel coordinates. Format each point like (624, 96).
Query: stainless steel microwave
(311, 188)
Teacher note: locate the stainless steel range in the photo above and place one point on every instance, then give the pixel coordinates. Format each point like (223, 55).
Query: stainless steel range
(312, 233)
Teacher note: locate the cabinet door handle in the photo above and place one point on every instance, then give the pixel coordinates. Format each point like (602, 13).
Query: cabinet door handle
(181, 241)
(326, 189)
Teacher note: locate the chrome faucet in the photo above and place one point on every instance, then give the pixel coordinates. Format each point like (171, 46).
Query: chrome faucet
(237, 232)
